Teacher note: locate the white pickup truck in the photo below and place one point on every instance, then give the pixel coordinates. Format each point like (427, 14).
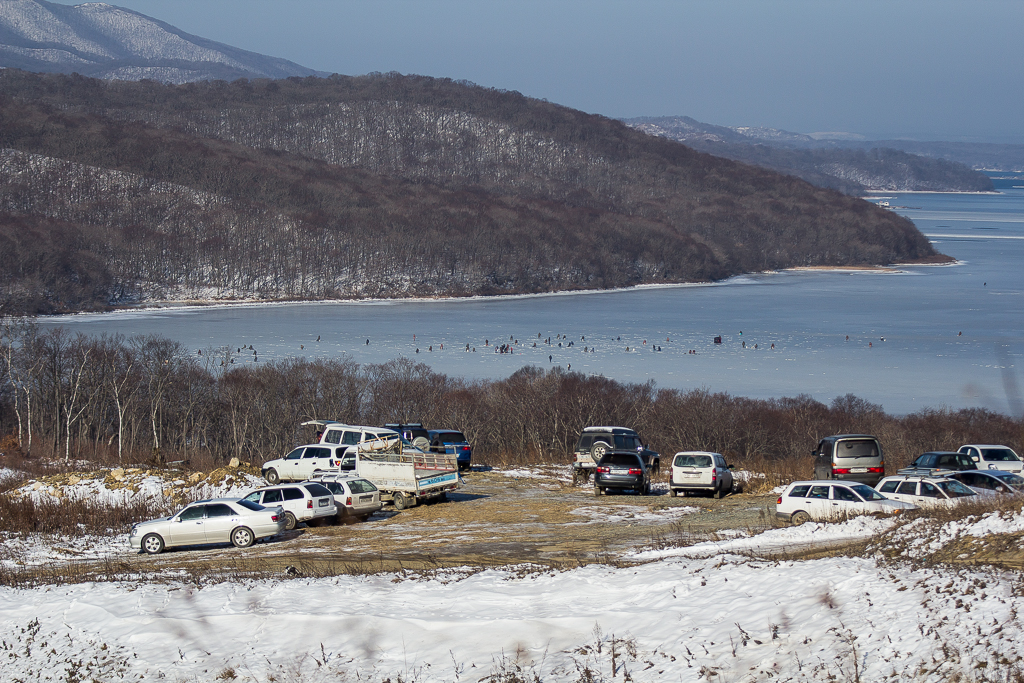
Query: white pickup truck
(404, 474)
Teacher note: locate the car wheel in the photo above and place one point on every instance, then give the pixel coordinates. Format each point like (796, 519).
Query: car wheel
(401, 501)
(800, 517)
(242, 537)
(152, 544)
(598, 491)
(289, 521)
(673, 493)
(272, 477)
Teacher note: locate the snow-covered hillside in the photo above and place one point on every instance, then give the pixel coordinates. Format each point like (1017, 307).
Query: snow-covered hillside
(101, 40)
(694, 615)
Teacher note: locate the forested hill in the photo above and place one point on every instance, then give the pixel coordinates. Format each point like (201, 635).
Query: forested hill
(382, 185)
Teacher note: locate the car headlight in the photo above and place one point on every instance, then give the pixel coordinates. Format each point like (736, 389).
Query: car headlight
(135, 531)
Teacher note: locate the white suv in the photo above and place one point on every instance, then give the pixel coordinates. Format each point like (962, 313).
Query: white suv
(701, 471)
(302, 463)
(924, 491)
(354, 496)
(309, 502)
(993, 457)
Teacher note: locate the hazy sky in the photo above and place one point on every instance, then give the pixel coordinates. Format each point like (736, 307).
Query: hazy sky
(923, 69)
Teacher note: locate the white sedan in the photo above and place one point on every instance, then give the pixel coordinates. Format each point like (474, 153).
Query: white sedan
(826, 500)
(222, 520)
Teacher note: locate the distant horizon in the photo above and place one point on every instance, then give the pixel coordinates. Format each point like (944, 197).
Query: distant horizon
(922, 70)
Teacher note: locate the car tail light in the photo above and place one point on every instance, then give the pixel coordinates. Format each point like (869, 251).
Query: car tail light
(840, 470)
(714, 475)
(779, 501)
(635, 470)
(273, 518)
(604, 470)
(876, 470)
(348, 501)
(309, 503)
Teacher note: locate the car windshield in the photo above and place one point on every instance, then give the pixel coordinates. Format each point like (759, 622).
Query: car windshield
(866, 492)
(621, 460)
(693, 461)
(1011, 480)
(249, 505)
(999, 455)
(317, 489)
(954, 488)
(857, 448)
(451, 437)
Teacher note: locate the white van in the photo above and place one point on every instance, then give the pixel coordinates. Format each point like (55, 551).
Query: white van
(993, 457)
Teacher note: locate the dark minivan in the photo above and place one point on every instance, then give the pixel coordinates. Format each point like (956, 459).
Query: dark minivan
(851, 457)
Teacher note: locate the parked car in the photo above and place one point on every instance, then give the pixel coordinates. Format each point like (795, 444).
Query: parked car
(700, 471)
(308, 502)
(332, 432)
(622, 470)
(413, 432)
(221, 520)
(453, 442)
(925, 490)
(825, 500)
(991, 457)
(849, 457)
(933, 461)
(990, 481)
(354, 496)
(596, 441)
(302, 463)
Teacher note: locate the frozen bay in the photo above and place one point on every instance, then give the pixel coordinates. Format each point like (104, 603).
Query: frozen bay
(912, 338)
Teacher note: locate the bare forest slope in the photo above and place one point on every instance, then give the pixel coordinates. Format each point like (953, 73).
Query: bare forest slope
(382, 185)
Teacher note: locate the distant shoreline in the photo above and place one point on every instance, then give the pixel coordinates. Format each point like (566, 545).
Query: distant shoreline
(202, 304)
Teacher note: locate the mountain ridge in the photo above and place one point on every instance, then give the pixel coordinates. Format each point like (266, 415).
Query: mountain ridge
(105, 41)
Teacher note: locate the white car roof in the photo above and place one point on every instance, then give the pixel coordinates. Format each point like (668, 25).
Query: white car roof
(986, 445)
(697, 453)
(938, 475)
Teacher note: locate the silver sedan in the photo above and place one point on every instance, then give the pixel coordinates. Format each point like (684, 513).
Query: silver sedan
(223, 520)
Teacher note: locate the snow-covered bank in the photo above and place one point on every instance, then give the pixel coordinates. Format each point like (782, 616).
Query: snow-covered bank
(675, 619)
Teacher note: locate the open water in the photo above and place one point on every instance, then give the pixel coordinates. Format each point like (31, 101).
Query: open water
(919, 337)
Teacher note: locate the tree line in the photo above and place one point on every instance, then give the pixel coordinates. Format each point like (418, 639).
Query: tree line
(149, 400)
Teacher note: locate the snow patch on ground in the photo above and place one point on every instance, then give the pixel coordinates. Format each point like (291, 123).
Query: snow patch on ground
(608, 514)
(805, 535)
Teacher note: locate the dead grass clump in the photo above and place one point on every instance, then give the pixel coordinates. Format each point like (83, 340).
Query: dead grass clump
(776, 471)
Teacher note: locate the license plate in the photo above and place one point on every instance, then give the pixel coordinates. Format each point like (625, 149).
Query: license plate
(691, 474)
(324, 502)
(620, 471)
(365, 499)
(858, 469)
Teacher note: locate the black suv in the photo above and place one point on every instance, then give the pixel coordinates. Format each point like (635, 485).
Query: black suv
(410, 431)
(939, 460)
(622, 470)
(596, 441)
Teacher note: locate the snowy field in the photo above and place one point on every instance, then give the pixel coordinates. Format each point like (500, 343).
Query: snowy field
(713, 611)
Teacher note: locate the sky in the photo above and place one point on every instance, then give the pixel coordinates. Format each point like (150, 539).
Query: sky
(918, 69)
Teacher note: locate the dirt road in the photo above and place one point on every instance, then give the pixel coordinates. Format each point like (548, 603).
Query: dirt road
(534, 518)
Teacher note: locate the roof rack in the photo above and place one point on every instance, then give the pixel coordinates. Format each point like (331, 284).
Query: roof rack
(926, 471)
